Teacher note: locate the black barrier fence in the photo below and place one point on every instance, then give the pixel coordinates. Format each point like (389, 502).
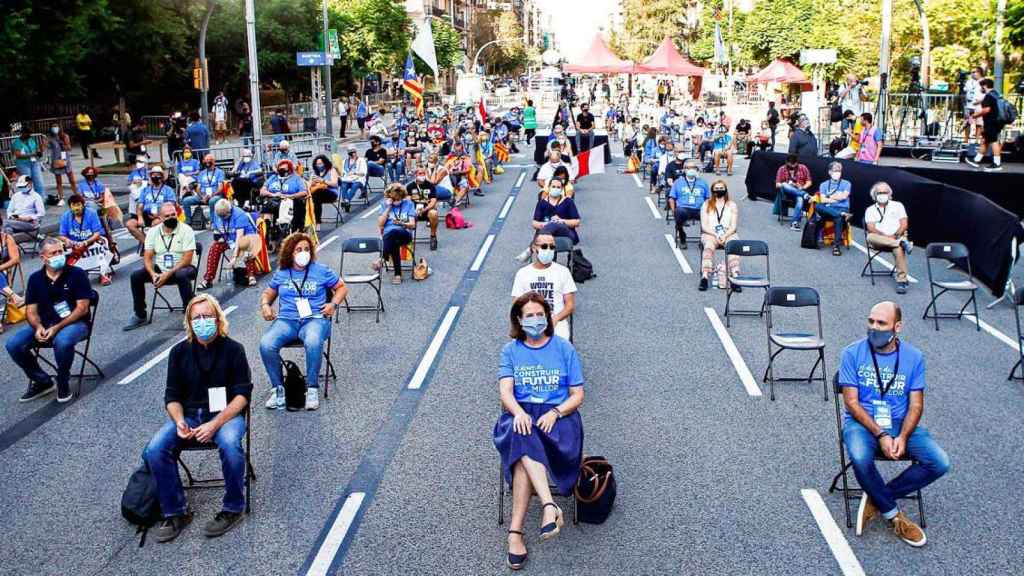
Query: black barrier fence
(937, 211)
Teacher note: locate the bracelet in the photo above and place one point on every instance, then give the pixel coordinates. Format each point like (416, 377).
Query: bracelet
(880, 434)
(557, 411)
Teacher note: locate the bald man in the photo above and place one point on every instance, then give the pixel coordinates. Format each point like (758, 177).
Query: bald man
(883, 392)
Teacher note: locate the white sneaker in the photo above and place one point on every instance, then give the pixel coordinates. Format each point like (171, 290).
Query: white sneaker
(60, 202)
(276, 400)
(312, 398)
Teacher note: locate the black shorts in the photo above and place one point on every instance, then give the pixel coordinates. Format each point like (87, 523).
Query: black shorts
(991, 133)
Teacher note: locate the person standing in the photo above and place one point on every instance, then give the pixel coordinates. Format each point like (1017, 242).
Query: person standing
(362, 112)
(852, 96)
(972, 99)
(992, 127)
(803, 142)
(529, 121)
(83, 123)
(870, 138)
(342, 116)
(26, 158)
(773, 121)
(220, 117)
(198, 134)
(58, 145)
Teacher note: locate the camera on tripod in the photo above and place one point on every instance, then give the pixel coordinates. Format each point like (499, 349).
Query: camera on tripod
(915, 75)
(1019, 88)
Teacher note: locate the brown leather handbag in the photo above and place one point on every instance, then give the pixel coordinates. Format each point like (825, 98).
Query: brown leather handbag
(595, 490)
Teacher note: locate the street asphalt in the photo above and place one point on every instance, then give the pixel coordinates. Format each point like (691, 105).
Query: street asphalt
(384, 479)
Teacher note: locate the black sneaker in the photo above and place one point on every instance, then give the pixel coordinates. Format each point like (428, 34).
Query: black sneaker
(221, 523)
(433, 242)
(478, 192)
(703, 286)
(135, 323)
(901, 287)
(37, 390)
(64, 393)
(972, 162)
(994, 168)
(736, 288)
(170, 528)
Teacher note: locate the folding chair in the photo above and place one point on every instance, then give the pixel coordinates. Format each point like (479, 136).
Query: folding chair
(794, 297)
(166, 304)
(747, 249)
(28, 241)
(12, 273)
(785, 203)
(854, 494)
(869, 269)
(194, 446)
(1018, 301)
(329, 373)
(365, 245)
(563, 245)
(97, 372)
(956, 254)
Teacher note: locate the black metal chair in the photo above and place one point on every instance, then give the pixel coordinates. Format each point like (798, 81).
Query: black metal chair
(29, 241)
(956, 254)
(564, 246)
(165, 303)
(328, 373)
(1018, 301)
(794, 297)
(854, 494)
(363, 245)
(747, 249)
(873, 253)
(192, 482)
(80, 351)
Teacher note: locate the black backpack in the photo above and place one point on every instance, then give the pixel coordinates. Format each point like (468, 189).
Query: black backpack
(294, 387)
(809, 236)
(582, 269)
(139, 503)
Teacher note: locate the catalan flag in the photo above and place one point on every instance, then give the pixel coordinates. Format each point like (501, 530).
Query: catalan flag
(501, 151)
(412, 85)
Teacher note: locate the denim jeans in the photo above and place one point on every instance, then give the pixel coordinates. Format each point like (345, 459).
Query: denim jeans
(374, 169)
(21, 344)
(396, 170)
(162, 456)
(192, 201)
(34, 171)
(313, 332)
(349, 190)
(798, 195)
(932, 464)
(836, 214)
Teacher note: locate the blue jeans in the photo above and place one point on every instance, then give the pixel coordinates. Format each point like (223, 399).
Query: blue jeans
(836, 214)
(396, 170)
(798, 195)
(192, 201)
(349, 190)
(374, 169)
(932, 464)
(313, 332)
(34, 171)
(22, 343)
(162, 456)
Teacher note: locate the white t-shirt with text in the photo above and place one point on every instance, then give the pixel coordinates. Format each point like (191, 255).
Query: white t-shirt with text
(553, 282)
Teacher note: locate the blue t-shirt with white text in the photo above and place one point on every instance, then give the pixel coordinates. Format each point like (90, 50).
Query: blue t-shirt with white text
(857, 369)
(405, 211)
(541, 375)
(71, 228)
(315, 287)
(689, 194)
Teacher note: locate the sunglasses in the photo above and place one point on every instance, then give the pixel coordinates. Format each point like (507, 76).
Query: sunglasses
(545, 246)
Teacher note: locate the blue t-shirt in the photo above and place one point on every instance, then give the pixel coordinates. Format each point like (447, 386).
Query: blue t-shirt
(541, 375)
(80, 231)
(210, 181)
(689, 195)
(857, 369)
(140, 172)
(828, 188)
(250, 169)
(151, 199)
(405, 211)
(198, 136)
(30, 147)
(565, 210)
(238, 220)
(315, 288)
(723, 142)
(91, 191)
(289, 186)
(188, 167)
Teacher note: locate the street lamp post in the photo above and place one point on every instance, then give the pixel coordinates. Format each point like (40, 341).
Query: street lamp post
(203, 72)
(254, 80)
(329, 106)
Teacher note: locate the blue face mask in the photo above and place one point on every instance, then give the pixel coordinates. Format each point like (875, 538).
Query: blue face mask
(204, 328)
(534, 326)
(880, 338)
(56, 262)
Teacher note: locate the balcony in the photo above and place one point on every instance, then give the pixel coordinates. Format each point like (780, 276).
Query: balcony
(438, 11)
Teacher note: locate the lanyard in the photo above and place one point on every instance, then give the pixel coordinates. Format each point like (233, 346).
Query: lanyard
(168, 242)
(298, 289)
(832, 190)
(884, 388)
(77, 230)
(881, 211)
(95, 193)
(208, 177)
(152, 198)
(720, 214)
(692, 188)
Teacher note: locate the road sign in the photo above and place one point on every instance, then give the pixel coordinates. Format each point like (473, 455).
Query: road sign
(333, 46)
(310, 59)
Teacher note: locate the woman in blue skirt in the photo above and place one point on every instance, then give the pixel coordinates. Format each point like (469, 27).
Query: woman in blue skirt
(540, 434)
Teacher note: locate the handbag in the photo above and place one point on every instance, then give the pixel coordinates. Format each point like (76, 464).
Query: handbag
(15, 314)
(421, 271)
(595, 490)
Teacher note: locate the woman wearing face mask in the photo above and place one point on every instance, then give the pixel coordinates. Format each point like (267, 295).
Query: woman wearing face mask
(556, 214)
(539, 434)
(308, 293)
(353, 177)
(396, 222)
(284, 184)
(59, 146)
(10, 258)
(719, 218)
(323, 185)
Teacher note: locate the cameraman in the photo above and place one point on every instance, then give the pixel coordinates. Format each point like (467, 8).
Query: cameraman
(852, 96)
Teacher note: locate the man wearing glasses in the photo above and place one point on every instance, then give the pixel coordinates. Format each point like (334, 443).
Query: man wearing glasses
(550, 279)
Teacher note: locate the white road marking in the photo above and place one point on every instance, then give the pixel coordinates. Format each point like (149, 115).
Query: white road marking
(654, 209)
(994, 332)
(160, 357)
(479, 260)
(733, 352)
(325, 243)
(880, 259)
(636, 177)
(435, 346)
(329, 548)
(522, 177)
(506, 207)
(848, 562)
(678, 254)
(370, 212)
(134, 256)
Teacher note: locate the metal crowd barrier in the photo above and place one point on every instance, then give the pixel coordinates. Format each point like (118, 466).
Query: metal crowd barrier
(155, 126)
(7, 153)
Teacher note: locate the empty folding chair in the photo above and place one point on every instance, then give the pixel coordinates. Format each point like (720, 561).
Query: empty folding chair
(873, 253)
(850, 493)
(366, 245)
(1018, 301)
(747, 249)
(165, 304)
(957, 254)
(218, 482)
(794, 297)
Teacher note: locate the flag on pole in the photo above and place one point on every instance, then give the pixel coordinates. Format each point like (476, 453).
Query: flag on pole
(412, 84)
(482, 110)
(720, 56)
(589, 162)
(423, 45)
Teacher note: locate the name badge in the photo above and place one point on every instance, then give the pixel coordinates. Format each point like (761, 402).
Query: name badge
(719, 229)
(168, 260)
(62, 309)
(208, 191)
(218, 398)
(63, 155)
(883, 415)
(305, 310)
(143, 148)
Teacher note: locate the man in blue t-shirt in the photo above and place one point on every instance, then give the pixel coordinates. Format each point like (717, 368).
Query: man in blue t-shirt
(197, 133)
(833, 201)
(686, 197)
(883, 386)
(84, 236)
(234, 230)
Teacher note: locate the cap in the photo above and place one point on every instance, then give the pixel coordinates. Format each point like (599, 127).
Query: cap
(23, 181)
(156, 170)
(350, 148)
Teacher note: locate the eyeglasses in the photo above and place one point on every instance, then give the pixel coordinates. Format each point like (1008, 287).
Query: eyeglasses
(545, 246)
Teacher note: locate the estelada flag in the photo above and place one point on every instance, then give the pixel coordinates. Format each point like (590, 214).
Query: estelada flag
(484, 175)
(412, 84)
(589, 162)
(501, 151)
(263, 256)
(632, 165)
(310, 226)
(473, 178)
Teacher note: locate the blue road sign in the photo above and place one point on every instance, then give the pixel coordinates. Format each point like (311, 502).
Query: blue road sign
(310, 59)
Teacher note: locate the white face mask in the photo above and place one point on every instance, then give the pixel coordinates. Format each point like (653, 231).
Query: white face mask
(302, 259)
(546, 256)
(882, 198)
(836, 175)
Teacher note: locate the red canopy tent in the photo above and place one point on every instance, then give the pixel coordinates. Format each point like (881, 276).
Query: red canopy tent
(599, 59)
(667, 60)
(780, 71)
